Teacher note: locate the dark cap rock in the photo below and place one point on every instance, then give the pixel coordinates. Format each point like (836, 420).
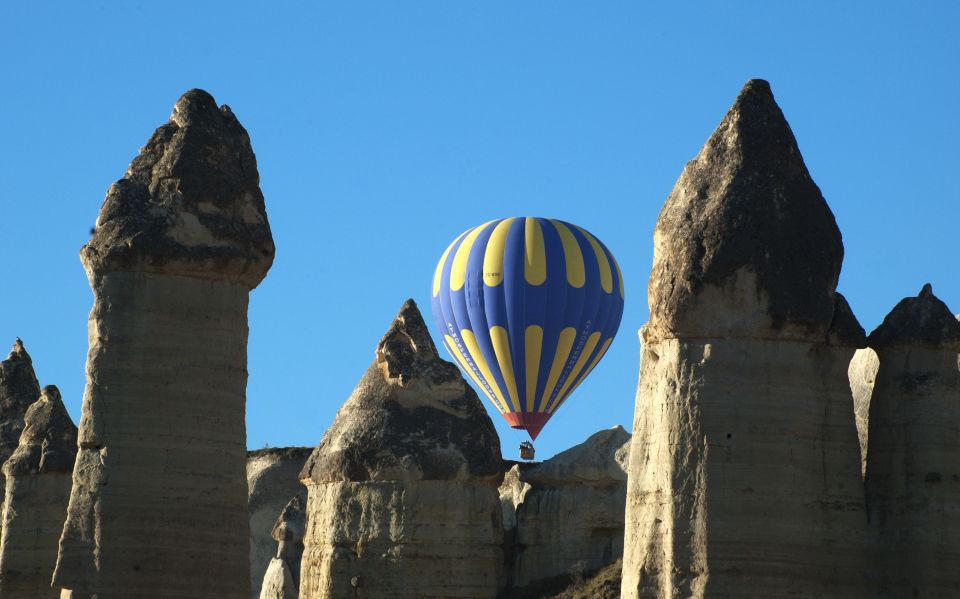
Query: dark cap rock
(292, 522)
(189, 204)
(49, 439)
(18, 389)
(922, 321)
(746, 222)
(845, 329)
(411, 417)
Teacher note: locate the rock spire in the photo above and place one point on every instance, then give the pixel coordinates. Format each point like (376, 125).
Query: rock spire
(37, 490)
(159, 500)
(744, 475)
(410, 451)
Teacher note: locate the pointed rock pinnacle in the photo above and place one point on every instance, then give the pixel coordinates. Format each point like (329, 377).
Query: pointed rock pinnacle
(411, 417)
(746, 218)
(49, 439)
(922, 320)
(189, 204)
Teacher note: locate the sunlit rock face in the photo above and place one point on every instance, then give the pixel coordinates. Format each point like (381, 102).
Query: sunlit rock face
(568, 519)
(913, 457)
(744, 472)
(37, 491)
(273, 479)
(402, 490)
(862, 373)
(159, 500)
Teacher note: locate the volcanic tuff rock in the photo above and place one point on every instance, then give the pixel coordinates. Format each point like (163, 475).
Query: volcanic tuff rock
(189, 204)
(282, 579)
(18, 389)
(159, 500)
(273, 478)
(570, 520)
(37, 490)
(729, 256)
(862, 373)
(913, 459)
(410, 451)
(744, 466)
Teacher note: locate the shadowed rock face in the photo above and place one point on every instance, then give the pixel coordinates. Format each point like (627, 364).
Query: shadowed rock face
(189, 204)
(273, 478)
(18, 389)
(745, 244)
(282, 577)
(410, 451)
(743, 425)
(913, 458)
(38, 487)
(570, 514)
(159, 500)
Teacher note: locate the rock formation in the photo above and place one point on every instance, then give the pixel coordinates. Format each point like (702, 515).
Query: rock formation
(159, 500)
(570, 519)
(282, 576)
(402, 490)
(273, 479)
(862, 373)
(744, 467)
(913, 459)
(18, 390)
(37, 490)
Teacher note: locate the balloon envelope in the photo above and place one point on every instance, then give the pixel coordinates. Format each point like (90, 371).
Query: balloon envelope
(527, 307)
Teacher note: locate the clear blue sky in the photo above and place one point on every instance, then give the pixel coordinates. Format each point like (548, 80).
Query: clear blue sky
(384, 129)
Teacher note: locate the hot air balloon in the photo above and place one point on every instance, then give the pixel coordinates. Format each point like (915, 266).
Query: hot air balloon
(527, 307)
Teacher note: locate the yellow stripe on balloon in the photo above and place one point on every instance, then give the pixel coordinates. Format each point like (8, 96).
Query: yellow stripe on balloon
(535, 253)
(564, 344)
(586, 373)
(619, 275)
(452, 348)
(576, 275)
(474, 349)
(493, 255)
(501, 347)
(438, 274)
(606, 276)
(533, 343)
(458, 272)
(591, 343)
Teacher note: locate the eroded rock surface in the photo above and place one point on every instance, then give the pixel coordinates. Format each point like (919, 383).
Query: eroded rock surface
(410, 452)
(37, 491)
(282, 577)
(273, 479)
(19, 388)
(159, 500)
(570, 518)
(913, 459)
(744, 468)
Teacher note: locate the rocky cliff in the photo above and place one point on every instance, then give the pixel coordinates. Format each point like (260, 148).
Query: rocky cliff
(159, 500)
(913, 459)
(402, 490)
(37, 491)
(744, 466)
(568, 519)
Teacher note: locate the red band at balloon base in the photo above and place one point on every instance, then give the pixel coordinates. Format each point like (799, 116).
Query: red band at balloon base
(531, 422)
